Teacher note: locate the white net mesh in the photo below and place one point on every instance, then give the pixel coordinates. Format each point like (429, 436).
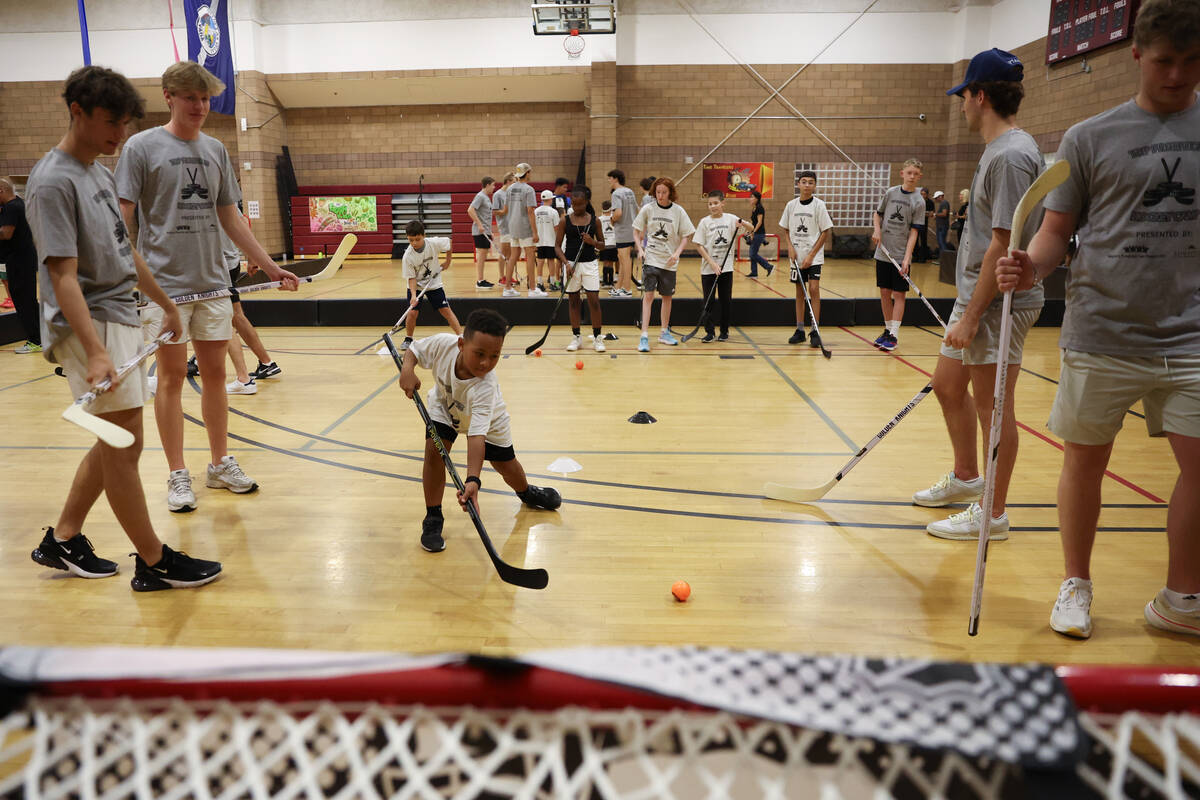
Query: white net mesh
(65, 748)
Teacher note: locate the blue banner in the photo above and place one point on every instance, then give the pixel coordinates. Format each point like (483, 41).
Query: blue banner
(210, 46)
(83, 34)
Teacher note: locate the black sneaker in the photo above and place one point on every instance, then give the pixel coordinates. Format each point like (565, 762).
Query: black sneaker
(484, 285)
(708, 337)
(431, 534)
(797, 337)
(814, 340)
(175, 570)
(724, 337)
(544, 499)
(193, 369)
(271, 370)
(76, 555)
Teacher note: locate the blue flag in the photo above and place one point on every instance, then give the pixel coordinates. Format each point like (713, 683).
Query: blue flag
(209, 45)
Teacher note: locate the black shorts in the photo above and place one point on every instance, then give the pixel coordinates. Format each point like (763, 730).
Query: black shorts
(624, 245)
(491, 452)
(813, 273)
(608, 255)
(547, 253)
(888, 277)
(482, 242)
(234, 274)
(435, 297)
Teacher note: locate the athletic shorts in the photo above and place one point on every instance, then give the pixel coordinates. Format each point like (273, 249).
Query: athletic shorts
(504, 238)
(122, 343)
(522, 242)
(888, 277)
(609, 254)
(234, 295)
(985, 347)
(491, 452)
(546, 252)
(813, 273)
(204, 321)
(482, 242)
(587, 275)
(658, 279)
(1095, 391)
(624, 245)
(435, 297)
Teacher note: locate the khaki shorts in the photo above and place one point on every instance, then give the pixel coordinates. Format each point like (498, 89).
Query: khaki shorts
(204, 321)
(1096, 390)
(521, 242)
(985, 347)
(122, 343)
(503, 238)
(587, 275)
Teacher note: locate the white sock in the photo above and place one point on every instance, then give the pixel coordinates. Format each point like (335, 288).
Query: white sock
(1182, 602)
(893, 326)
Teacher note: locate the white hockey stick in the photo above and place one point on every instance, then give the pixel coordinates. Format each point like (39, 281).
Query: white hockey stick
(383, 351)
(914, 287)
(335, 263)
(107, 432)
(1037, 191)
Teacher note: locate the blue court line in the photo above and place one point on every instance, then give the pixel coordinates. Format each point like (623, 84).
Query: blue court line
(352, 411)
(26, 383)
(795, 387)
(650, 509)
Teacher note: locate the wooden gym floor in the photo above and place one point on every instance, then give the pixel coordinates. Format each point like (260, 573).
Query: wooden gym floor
(325, 555)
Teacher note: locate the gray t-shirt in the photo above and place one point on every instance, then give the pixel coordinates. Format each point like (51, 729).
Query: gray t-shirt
(943, 223)
(74, 213)
(1009, 164)
(499, 203)
(1134, 285)
(178, 186)
(483, 209)
(520, 197)
(901, 212)
(623, 199)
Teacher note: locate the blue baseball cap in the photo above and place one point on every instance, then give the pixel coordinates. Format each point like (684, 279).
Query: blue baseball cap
(991, 65)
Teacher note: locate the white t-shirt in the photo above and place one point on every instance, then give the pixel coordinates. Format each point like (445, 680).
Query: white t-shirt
(805, 222)
(719, 237)
(547, 219)
(664, 229)
(425, 265)
(474, 405)
(609, 230)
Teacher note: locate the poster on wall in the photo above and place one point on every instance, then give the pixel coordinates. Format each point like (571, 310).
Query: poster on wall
(341, 214)
(740, 178)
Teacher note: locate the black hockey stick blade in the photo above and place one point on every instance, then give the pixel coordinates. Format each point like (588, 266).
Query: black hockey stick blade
(550, 324)
(525, 578)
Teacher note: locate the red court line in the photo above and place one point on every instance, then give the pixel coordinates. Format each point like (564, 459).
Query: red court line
(1123, 481)
(760, 283)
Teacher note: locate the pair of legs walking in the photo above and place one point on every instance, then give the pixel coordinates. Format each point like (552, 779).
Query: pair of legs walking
(655, 279)
(757, 240)
(724, 301)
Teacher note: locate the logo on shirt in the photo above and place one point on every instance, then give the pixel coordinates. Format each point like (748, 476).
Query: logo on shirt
(896, 216)
(119, 230)
(721, 238)
(1169, 188)
(661, 233)
(193, 188)
(802, 229)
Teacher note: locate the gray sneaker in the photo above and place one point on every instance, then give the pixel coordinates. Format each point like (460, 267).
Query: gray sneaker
(229, 476)
(1072, 614)
(180, 497)
(949, 489)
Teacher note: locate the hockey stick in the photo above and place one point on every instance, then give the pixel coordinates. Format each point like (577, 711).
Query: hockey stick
(801, 494)
(914, 287)
(112, 435)
(1058, 172)
(561, 296)
(400, 322)
(808, 302)
(704, 309)
(517, 576)
(335, 263)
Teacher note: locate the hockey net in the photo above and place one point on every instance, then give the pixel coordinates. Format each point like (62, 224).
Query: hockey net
(366, 727)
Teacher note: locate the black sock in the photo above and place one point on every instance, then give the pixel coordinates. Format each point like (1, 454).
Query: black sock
(433, 511)
(595, 332)
(575, 331)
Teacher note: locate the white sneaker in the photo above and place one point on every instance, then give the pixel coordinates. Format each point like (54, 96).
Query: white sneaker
(510, 292)
(965, 525)
(537, 291)
(237, 387)
(180, 496)
(1072, 611)
(598, 344)
(229, 476)
(574, 345)
(949, 490)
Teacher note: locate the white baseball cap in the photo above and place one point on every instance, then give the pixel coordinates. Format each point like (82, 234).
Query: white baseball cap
(547, 194)
(939, 193)
(522, 170)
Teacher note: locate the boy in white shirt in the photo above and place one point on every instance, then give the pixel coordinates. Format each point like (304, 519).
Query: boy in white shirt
(808, 228)
(715, 237)
(661, 232)
(423, 272)
(466, 398)
(546, 218)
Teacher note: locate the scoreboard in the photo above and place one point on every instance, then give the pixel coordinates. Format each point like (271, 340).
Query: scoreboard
(1080, 26)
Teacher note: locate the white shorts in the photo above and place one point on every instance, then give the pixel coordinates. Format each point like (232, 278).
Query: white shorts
(1096, 390)
(122, 343)
(499, 433)
(985, 347)
(204, 321)
(522, 242)
(587, 275)
(503, 238)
